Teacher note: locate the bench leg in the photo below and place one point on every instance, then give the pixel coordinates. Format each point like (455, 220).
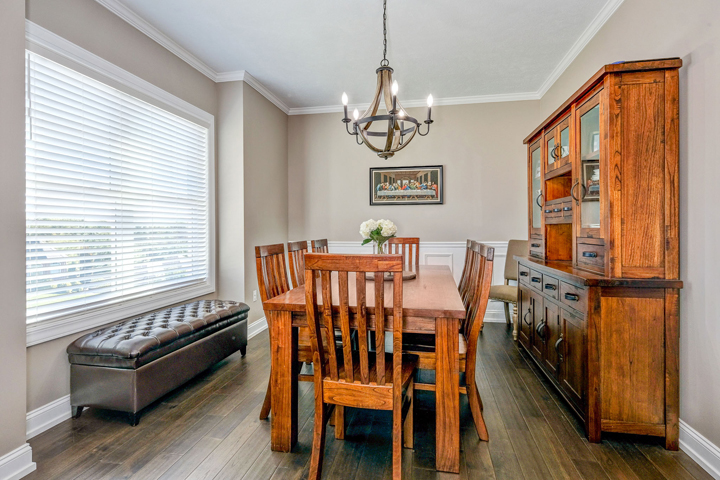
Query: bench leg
(77, 411)
(243, 350)
(134, 419)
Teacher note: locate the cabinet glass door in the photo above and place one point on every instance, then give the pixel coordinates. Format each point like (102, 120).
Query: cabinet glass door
(588, 188)
(536, 194)
(565, 141)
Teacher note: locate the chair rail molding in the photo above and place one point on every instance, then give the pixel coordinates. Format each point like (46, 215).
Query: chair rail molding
(17, 463)
(451, 254)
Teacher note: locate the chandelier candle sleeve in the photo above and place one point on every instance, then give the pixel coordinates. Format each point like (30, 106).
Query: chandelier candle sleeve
(344, 102)
(429, 104)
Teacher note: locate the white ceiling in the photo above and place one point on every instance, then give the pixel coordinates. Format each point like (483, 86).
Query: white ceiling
(306, 53)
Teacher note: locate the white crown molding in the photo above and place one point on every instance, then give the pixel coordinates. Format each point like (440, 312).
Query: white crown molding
(141, 24)
(700, 449)
(16, 464)
(603, 16)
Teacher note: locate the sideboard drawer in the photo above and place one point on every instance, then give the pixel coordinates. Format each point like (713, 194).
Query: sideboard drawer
(574, 297)
(536, 279)
(537, 248)
(524, 274)
(591, 256)
(551, 286)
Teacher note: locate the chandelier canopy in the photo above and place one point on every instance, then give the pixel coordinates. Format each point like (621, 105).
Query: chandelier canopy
(395, 137)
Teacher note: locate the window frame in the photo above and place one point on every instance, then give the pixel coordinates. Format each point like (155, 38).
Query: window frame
(57, 49)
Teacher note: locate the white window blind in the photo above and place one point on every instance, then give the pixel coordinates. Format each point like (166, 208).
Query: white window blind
(117, 195)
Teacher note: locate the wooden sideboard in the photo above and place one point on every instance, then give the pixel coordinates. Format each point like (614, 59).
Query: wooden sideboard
(598, 292)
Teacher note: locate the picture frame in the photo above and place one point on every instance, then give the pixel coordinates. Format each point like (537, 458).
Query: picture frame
(590, 170)
(421, 185)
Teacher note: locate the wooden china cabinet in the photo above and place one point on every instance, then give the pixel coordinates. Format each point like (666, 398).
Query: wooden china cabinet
(598, 292)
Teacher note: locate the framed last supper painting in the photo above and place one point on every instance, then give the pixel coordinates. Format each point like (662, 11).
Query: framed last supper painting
(406, 185)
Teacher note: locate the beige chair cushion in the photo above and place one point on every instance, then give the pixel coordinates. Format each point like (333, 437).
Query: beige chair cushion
(504, 293)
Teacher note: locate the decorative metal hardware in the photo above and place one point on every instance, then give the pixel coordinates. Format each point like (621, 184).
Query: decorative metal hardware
(572, 194)
(567, 209)
(538, 198)
(550, 286)
(386, 89)
(525, 274)
(540, 330)
(525, 316)
(561, 358)
(548, 211)
(557, 210)
(572, 297)
(589, 254)
(534, 245)
(535, 279)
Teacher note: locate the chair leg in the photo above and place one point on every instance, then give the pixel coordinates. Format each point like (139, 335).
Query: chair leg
(408, 422)
(507, 313)
(318, 443)
(516, 325)
(265, 411)
(397, 440)
(476, 410)
(339, 422)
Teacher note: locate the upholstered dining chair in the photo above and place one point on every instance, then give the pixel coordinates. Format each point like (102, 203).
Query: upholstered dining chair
(273, 281)
(479, 281)
(357, 378)
(296, 258)
(405, 247)
(320, 246)
(508, 293)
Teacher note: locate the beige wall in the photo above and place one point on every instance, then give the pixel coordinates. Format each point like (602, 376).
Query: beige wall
(479, 145)
(689, 29)
(12, 219)
(265, 135)
(92, 27)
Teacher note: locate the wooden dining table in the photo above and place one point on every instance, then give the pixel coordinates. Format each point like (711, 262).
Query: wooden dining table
(431, 305)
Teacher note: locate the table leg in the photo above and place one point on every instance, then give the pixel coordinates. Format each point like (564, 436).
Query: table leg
(447, 395)
(284, 422)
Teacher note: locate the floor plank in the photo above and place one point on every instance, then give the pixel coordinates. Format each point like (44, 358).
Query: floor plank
(209, 429)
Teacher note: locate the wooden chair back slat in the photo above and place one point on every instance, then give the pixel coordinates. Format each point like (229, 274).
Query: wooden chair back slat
(481, 285)
(340, 315)
(466, 293)
(320, 246)
(296, 258)
(409, 248)
(361, 300)
(270, 266)
(466, 267)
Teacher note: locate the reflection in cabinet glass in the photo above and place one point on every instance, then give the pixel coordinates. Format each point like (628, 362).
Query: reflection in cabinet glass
(565, 142)
(537, 188)
(590, 169)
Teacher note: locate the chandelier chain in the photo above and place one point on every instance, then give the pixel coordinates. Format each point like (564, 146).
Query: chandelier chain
(384, 62)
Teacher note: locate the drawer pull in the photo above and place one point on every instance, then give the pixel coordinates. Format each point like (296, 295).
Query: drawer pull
(523, 274)
(535, 279)
(572, 297)
(556, 210)
(534, 245)
(548, 211)
(567, 209)
(540, 330)
(590, 254)
(550, 286)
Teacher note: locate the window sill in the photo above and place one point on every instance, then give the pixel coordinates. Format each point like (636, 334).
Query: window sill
(55, 328)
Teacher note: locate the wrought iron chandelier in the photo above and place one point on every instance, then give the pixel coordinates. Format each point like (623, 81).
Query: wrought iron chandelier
(396, 136)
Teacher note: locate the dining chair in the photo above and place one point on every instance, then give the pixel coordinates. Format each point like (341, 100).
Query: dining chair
(296, 257)
(508, 293)
(479, 281)
(273, 281)
(320, 246)
(405, 247)
(465, 289)
(357, 378)
(462, 285)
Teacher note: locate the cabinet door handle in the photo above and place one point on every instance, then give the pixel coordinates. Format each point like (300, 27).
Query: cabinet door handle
(535, 279)
(524, 274)
(537, 200)
(540, 330)
(550, 286)
(572, 192)
(589, 254)
(534, 245)
(525, 316)
(561, 358)
(572, 297)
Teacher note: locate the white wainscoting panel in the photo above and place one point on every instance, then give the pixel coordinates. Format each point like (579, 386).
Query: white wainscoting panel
(17, 464)
(451, 254)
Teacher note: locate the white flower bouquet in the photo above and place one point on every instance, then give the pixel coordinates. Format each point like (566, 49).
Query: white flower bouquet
(379, 231)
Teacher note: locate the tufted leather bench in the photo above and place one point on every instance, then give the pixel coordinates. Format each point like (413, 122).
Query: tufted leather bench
(127, 366)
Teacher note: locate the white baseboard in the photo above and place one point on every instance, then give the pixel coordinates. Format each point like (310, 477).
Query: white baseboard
(256, 327)
(17, 464)
(700, 449)
(47, 416)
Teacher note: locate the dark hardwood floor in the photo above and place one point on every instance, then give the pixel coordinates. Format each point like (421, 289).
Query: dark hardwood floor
(209, 429)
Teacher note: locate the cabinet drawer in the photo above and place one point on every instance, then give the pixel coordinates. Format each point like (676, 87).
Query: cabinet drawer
(574, 297)
(524, 274)
(537, 248)
(536, 279)
(551, 286)
(591, 255)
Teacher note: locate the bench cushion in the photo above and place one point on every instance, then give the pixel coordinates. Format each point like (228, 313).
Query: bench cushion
(136, 342)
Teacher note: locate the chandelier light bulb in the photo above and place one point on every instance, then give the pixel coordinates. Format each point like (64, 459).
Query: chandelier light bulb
(356, 114)
(344, 98)
(429, 101)
(395, 87)
(401, 114)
